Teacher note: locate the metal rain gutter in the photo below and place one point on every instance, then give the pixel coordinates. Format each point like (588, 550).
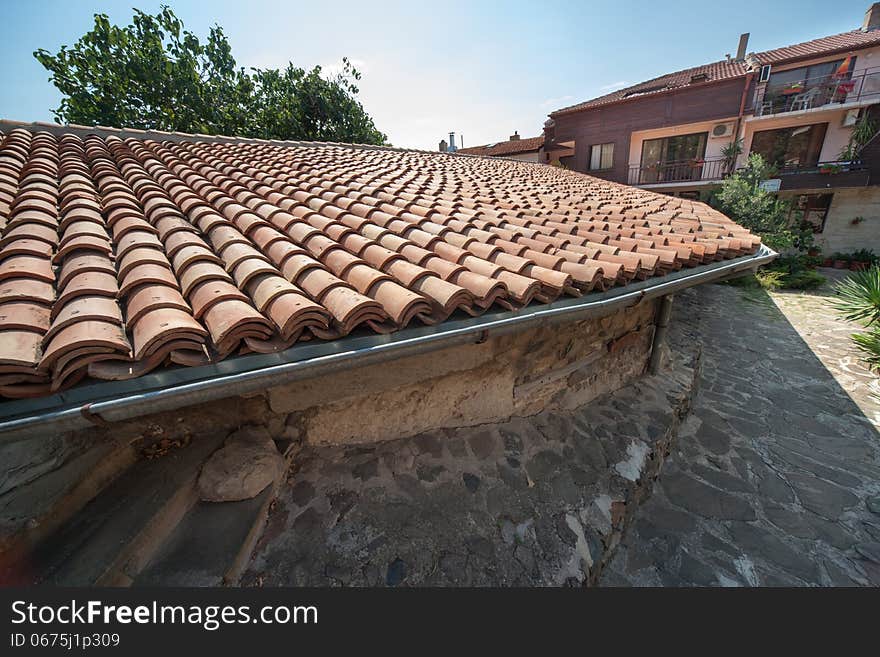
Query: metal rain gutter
(230, 379)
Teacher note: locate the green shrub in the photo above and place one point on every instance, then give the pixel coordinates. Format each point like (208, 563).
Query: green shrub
(859, 296)
(770, 279)
(869, 344)
(859, 301)
(864, 255)
(742, 198)
(804, 280)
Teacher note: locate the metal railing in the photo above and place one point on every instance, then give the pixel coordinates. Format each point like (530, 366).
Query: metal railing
(679, 171)
(812, 93)
(832, 167)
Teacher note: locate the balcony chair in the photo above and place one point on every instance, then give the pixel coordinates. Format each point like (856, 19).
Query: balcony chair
(805, 100)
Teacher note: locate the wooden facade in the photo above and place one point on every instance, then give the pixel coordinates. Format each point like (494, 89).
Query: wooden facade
(615, 122)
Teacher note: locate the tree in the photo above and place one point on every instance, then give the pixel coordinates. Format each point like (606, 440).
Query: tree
(154, 74)
(743, 200)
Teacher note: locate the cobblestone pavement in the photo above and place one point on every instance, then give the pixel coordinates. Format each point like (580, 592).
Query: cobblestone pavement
(828, 337)
(774, 478)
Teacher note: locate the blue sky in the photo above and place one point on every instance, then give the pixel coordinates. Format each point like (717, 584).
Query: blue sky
(483, 69)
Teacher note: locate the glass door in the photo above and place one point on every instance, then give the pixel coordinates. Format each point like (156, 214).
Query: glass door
(673, 159)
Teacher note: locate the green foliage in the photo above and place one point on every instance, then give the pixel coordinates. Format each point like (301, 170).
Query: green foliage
(154, 74)
(869, 344)
(862, 132)
(859, 300)
(859, 296)
(785, 273)
(806, 279)
(770, 280)
(730, 152)
(864, 255)
(743, 200)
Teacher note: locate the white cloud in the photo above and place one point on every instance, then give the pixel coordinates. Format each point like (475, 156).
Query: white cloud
(614, 86)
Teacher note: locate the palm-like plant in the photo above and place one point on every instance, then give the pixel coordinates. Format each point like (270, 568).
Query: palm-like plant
(859, 296)
(859, 301)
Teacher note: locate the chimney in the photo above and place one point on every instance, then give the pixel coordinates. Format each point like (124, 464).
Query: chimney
(741, 48)
(442, 146)
(872, 18)
(515, 136)
(451, 148)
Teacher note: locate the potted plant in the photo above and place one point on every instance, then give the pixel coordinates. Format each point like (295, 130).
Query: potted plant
(862, 259)
(827, 261)
(841, 260)
(829, 168)
(730, 152)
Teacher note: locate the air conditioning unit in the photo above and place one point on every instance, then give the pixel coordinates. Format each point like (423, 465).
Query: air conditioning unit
(850, 118)
(722, 130)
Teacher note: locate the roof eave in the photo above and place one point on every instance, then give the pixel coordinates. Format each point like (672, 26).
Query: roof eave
(170, 390)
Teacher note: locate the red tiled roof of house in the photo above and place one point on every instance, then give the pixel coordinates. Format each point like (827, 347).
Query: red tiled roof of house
(504, 148)
(120, 254)
(724, 70)
(830, 45)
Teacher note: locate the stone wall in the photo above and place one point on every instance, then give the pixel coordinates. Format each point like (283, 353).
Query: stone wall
(45, 480)
(840, 234)
(507, 376)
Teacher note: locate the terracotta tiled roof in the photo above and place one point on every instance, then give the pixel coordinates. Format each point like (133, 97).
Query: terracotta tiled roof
(723, 70)
(510, 147)
(715, 72)
(119, 255)
(830, 45)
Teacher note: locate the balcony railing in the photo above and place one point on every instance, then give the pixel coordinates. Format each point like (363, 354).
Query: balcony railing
(679, 171)
(813, 93)
(825, 168)
(825, 175)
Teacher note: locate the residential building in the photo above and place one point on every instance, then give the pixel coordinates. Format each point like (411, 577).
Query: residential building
(515, 148)
(796, 105)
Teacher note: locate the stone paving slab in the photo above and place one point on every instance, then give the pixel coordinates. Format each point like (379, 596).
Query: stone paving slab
(541, 500)
(774, 477)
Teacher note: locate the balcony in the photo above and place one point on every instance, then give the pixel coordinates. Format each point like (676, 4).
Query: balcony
(824, 175)
(680, 172)
(825, 92)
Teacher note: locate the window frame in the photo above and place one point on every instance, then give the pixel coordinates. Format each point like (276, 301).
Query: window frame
(818, 133)
(601, 148)
(807, 205)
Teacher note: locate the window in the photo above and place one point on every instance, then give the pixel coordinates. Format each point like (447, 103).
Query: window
(806, 75)
(791, 148)
(601, 156)
(807, 86)
(672, 159)
(811, 209)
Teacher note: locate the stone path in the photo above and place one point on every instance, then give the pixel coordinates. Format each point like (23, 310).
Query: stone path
(827, 335)
(775, 475)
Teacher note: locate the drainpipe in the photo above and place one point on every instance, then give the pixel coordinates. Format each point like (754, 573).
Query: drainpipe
(660, 331)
